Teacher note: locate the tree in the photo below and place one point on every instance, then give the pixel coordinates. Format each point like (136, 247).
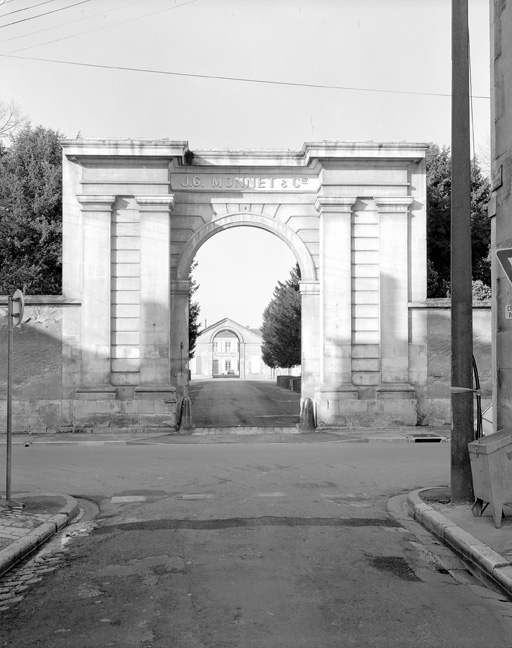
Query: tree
(12, 120)
(438, 162)
(31, 213)
(193, 314)
(281, 328)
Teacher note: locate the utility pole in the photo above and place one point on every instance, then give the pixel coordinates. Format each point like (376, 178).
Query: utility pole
(462, 311)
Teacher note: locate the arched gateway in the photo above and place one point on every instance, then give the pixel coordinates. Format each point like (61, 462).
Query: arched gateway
(136, 212)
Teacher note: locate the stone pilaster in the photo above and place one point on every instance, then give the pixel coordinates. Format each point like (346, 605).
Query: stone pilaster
(310, 337)
(96, 305)
(394, 296)
(155, 294)
(335, 295)
(179, 335)
(241, 352)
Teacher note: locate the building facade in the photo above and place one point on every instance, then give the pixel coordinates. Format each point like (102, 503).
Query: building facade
(227, 349)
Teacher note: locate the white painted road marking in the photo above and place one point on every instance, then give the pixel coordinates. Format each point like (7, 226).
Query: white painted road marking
(193, 496)
(128, 498)
(271, 494)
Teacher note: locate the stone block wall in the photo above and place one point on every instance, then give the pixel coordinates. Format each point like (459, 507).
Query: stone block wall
(439, 358)
(38, 403)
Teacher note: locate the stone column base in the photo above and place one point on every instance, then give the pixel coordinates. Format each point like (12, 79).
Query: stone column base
(341, 408)
(99, 392)
(158, 392)
(395, 391)
(153, 407)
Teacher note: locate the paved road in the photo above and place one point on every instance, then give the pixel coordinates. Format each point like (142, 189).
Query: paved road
(245, 546)
(243, 403)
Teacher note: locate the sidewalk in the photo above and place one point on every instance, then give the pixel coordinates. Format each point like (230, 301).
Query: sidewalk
(107, 436)
(24, 528)
(475, 539)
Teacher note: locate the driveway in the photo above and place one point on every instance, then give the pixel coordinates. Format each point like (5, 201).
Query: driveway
(243, 403)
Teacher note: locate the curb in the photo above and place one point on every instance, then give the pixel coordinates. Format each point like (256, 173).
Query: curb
(18, 550)
(474, 551)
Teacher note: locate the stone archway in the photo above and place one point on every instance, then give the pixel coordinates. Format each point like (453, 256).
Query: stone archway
(354, 214)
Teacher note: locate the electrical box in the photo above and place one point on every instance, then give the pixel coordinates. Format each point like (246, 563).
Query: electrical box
(491, 467)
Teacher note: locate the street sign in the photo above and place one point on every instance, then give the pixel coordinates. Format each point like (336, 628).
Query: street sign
(17, 308)
(505, 258)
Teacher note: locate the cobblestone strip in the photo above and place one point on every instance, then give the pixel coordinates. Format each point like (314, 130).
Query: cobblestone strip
(15, 584)
(24, 532)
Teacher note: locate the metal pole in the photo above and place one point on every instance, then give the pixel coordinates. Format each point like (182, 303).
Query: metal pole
(461, 296)
(10, 327)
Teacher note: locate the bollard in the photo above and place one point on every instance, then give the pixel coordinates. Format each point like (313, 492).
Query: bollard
(307, 415)
(186, 425)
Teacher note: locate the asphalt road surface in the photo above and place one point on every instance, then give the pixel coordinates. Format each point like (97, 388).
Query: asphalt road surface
(243, 403)
(260, 545)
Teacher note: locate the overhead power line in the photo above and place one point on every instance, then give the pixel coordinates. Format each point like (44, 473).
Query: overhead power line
(88, 31)
(26, 8)
(47, 13)
(295, 84)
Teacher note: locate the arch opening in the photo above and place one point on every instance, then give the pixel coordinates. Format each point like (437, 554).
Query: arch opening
(229, 345)
(248, 219)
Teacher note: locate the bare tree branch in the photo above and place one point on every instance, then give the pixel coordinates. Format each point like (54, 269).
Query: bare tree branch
(12, 120)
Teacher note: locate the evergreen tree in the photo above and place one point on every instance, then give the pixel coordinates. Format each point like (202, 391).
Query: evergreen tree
(193, 314)
(438, 162)
(31, 213)
(281, 328)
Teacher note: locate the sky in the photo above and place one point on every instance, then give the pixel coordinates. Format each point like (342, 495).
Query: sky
(241, 74)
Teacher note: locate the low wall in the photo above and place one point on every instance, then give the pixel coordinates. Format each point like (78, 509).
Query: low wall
(40, 402)
(293, 383)
(439, 357)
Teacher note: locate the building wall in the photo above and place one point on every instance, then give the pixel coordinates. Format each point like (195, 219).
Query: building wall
(500, 206)
(38, 400)
(438, 402)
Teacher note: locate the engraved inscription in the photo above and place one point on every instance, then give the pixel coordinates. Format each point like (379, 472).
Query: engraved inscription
(223, 182)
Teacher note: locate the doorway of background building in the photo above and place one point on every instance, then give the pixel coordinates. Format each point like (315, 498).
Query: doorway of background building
(226, 355)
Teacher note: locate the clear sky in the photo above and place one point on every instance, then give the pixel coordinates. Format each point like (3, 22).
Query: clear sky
(384, 67)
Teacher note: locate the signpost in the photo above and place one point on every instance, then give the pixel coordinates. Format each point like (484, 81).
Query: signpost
(16, 305)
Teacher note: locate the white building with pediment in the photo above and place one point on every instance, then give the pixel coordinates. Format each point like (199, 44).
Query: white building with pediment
(227, 349)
